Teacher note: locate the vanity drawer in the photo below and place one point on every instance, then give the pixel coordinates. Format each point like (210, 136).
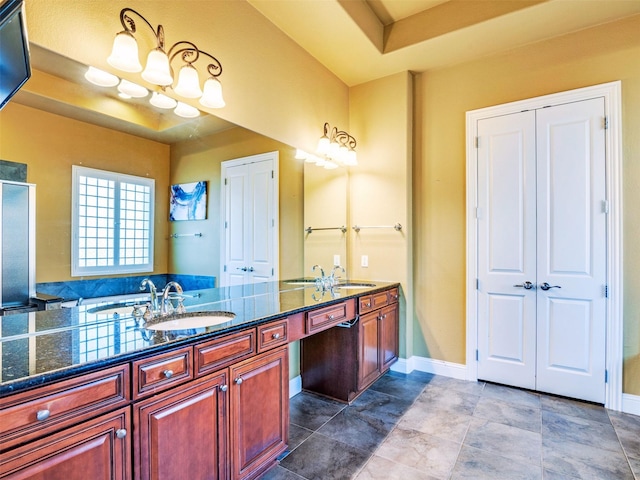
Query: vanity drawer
(327, 317)
(273, 334)
(374, 301)
(162, 371)
(394, 295)
(218, 353)
(40, 412)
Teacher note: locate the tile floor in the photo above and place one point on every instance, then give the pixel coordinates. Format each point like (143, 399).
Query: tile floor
(422, 426)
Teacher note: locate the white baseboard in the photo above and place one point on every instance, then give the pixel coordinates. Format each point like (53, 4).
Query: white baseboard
(631, 404)
(429, 365)
(295, 386)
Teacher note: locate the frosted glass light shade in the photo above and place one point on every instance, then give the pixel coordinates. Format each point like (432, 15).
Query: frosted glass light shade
(124, 53)
(132, 89)
(186, 111)
(162, 101)
(157, 70)
(300, 154)
(188, 83)
(323, 145)
(212, 96)
(351, 159)
(329, 165)
(101, 78)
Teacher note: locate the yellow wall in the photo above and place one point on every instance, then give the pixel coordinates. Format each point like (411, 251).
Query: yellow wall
(590, 57)
(49, 145)
(200, 159)
(380, 187)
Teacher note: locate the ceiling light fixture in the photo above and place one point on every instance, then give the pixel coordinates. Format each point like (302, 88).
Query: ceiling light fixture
(160, 100)
(158, 71)
(132, 89)
(101, 78)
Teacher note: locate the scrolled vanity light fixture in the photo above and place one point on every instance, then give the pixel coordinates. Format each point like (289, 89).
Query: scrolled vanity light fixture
(158, 71)
(335, 148)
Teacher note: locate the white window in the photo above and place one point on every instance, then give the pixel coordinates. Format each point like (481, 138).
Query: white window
(112, 223)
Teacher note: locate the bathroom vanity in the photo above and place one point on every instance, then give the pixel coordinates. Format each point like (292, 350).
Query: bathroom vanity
(209, 402)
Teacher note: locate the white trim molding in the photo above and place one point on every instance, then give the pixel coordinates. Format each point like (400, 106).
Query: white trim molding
(295, 386)
(430, 365)
(611, 92)
(631, 404)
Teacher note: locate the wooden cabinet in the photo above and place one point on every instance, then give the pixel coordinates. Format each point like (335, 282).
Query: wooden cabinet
(259, 398)
(182, 433)
(341, 362)
(98, 449)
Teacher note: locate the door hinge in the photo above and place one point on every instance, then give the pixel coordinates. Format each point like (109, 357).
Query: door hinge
(225, 268)
(477, 142)
(272, 174)
(605, 206)
(606, 123)
(477, 284)
(478, 213)
(273, 272)
(606, 376)
(273, 222)
(477, 355)
(226, 225)
(225, 181)
(606, 291)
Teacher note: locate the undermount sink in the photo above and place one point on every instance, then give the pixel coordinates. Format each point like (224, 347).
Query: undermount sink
(188, 321)
(354, 285)
(125, 308)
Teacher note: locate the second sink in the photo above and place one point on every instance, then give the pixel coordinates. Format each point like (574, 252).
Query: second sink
(184, 322)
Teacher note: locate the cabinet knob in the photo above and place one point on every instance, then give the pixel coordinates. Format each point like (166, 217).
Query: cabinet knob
(168, 373)
(331, 317)
(121, 433)
(368, 304)
(42, 415)
(238, 380)
(275, 336)
(224, 388)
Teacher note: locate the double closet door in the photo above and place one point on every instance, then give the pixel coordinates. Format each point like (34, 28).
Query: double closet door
(542, 249)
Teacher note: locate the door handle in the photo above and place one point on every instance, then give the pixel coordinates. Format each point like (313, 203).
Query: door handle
(525, 285)
(545, 286)
(244, 269)
(250, 269)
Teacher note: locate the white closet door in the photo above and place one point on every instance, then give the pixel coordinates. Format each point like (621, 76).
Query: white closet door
(506, 249)
(542, 250)
(572, 250)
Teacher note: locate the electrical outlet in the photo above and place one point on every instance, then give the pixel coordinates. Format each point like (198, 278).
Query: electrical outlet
(365, 261)
(336, 260)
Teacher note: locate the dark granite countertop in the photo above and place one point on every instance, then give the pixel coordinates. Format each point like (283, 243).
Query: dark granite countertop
(42, 347)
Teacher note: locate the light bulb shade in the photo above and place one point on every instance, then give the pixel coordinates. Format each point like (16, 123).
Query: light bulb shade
(332, 152)
(300, 154)
(101, 78)
(188, 83)
(329, 165)
(351, 159)
(323, 145)
(312, 159)
(132, 89)
(343, 151)
(186, 111)
(212, 96)
(157, 70)
(124, 54)
(160, 100)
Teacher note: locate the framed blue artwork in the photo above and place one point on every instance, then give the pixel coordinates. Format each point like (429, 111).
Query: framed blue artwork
(188, 201)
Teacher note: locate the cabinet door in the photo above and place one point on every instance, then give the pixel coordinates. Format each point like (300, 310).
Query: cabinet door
(182, 433)
(259, 396)
(368, 354)
(388, 336)
(98, 449)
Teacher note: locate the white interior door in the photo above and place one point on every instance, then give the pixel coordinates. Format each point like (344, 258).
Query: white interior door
(541, 222)
(250, 230)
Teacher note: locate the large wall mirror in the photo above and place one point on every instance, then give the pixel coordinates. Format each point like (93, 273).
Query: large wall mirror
(58, 120)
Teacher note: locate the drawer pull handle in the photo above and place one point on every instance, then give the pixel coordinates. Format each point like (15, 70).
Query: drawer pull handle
(275, 336)
(239, 380)
(224, 388)
(42, 415)
(121, 433)
(331, 317)
(368, 304)
(168, 373)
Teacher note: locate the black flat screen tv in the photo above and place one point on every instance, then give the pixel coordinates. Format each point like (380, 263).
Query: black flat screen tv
(15, 68)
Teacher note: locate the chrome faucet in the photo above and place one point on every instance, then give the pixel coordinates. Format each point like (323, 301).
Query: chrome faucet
(164, 308)
(332, 278)
(154, 294)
